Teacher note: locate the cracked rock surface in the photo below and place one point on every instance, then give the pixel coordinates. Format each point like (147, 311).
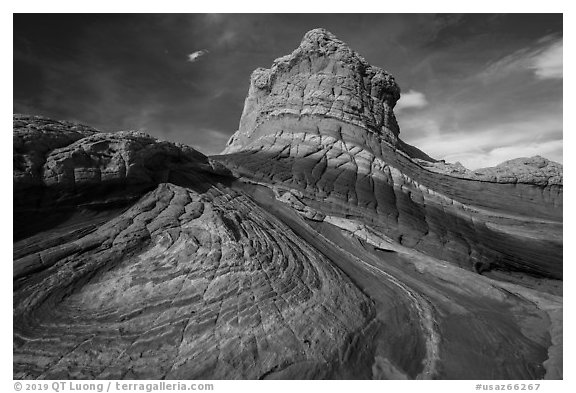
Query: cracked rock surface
(193, 280)
(186, 285)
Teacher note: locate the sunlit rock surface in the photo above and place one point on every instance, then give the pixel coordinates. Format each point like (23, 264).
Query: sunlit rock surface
(319, 245)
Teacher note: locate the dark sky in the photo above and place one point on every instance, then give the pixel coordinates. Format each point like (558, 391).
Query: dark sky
(477, 88)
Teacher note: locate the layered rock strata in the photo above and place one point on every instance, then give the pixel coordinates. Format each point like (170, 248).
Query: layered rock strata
(59, 166)
(525, 170)
(473, 251)
(194, 280)
(320, 246)
(325, 85)
(321, 121)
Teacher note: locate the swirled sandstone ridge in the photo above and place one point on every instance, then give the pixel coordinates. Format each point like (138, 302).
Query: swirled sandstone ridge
(318, 245)
(192, 280)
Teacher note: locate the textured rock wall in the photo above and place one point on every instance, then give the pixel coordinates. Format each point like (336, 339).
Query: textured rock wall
(321, 121)
(185, 285)
(324, 78)
(33, 138)
(437, 320)
(525, 170)
(476, 225)
(60, 165)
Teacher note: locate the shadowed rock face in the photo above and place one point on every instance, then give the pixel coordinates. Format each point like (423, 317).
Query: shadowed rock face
(60, 165)
(34, 138)
(319, 246)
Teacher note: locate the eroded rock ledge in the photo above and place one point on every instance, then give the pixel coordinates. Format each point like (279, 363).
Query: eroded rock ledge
(535, 170)
(60, 165)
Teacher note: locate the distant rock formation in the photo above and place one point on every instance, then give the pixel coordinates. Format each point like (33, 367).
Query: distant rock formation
(525, 170)
(320, 245)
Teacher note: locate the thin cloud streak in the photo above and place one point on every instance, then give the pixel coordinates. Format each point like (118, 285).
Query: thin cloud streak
(411, 99)
(474, 161)
(548, 64)
(194, 56)
(212, 141)
(543, 59)
(491, 144)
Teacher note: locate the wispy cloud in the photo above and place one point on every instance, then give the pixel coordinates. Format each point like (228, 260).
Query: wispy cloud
(544, 59)
(227, 37)
(548, 63)
(411, 99)
(214, 18)
(225, 29)
(194, 56)
(551, 150)
(490, 144)
(210, 141)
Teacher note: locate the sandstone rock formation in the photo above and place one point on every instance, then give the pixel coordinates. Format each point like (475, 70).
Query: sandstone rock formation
(60, 165)
(194, 280)
(319, 245)
(332, 148)
(321, 87)
(525, 170)
(186, 285)
(334, 155)
(34, 137)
